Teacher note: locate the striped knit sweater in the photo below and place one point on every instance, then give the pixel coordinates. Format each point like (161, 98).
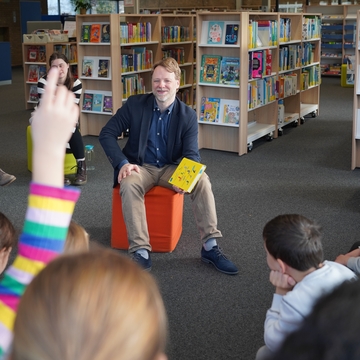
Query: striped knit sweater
(45, 229)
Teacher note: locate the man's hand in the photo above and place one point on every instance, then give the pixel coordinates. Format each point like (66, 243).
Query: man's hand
(178, 190)
(283, 282)
(126, 171)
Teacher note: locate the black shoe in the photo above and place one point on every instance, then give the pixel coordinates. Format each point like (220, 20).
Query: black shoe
(141, 261)
(216, 257)
(81, 177)
(67, 181)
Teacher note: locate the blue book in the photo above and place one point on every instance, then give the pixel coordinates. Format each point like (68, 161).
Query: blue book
(97, 102)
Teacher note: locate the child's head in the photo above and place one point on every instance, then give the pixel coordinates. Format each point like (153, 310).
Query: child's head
(77, 239)
(295, 240)
(8, 240)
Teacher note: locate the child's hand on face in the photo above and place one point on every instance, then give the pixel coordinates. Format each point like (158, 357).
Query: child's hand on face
(282, 282)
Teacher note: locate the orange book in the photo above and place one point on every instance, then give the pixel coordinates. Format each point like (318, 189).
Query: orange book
(95, 34)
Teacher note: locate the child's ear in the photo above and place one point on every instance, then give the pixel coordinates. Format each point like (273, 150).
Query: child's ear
(282, 265)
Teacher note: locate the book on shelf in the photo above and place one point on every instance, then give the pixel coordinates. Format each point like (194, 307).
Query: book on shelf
(88, 101)
(231, 34)
(108, 104)
(73, 53)
(95, 33)
(209, 110)
(229, 111)
(33, 73)
(85, 33)
(127, 60)
(87, 67)
(42, 71)
(187, 174)
(103, 69)
(230, 70)
(215, 32)
(257, 64)
(33, 94)
(210, 68)
(97, 102)
(105, 33)
(32, 53)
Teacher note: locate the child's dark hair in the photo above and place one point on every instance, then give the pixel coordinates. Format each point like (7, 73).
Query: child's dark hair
(295, 240)
(8, 237)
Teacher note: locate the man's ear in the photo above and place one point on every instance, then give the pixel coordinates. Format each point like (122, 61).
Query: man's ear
(283, 266)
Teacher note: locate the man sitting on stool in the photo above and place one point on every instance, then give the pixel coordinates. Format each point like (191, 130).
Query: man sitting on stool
(162, 130)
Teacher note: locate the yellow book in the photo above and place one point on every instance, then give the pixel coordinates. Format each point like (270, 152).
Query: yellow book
(187, 174)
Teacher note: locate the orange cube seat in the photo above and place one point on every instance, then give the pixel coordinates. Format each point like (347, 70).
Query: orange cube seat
(164, 214)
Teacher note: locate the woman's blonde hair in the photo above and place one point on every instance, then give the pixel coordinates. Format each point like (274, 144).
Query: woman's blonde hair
(90, 306)
(77, 239)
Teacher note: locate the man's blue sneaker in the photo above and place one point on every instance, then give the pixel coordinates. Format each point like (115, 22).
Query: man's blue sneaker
(216, 257)
(145, 264)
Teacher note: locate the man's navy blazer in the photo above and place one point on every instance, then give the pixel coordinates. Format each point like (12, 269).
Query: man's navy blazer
(136, 115)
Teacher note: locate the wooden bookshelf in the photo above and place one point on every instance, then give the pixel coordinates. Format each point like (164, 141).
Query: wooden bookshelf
(38, 55)
(258, 107)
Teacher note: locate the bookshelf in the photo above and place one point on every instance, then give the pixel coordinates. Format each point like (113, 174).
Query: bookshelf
(355, 155)
(337, 35)
(276, 40)
(177, 32)
(91, 56)
(35, 61)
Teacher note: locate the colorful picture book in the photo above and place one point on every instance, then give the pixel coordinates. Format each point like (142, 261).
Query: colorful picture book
(88, 101)
(108, 104)
(33, 74)
(231, 34)
(87, 67)
(103, 69)
(210, 68)
(187, 174)
(97, 102)
(215, 32)
(230, 71)
(229, 111)
(257, 64)
(33, 94)
(85, 33)
(105, 33)
(95, 33)
(209, 111)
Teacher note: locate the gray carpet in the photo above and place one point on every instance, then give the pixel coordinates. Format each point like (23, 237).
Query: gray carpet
(211, 315)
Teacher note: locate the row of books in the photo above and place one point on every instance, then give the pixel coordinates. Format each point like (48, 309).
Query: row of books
(136, 59)
(184, 96)
(33, 94)
(217, 69)
(311, 28)
(36, 53)
(95, 33)
(135, 32)
(289, 57)
(97, 102)
(171, 34)
(261, 92)
(36, 72)
(262, 33)
(132, 85)
(286, 85)
(220, 111)
(69, 50)
(96, 67)
(285, 29)
(220, 33)
(309, 77)
(177, 53)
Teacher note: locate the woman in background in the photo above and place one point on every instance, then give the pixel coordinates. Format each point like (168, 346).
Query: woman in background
(76, 142)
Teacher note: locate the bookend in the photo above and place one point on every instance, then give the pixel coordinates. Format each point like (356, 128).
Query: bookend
(164, 214)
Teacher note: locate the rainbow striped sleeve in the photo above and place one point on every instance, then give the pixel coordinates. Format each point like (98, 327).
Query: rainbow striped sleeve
(46, 223)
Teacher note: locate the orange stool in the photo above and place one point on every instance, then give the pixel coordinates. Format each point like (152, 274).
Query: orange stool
(164, 213)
